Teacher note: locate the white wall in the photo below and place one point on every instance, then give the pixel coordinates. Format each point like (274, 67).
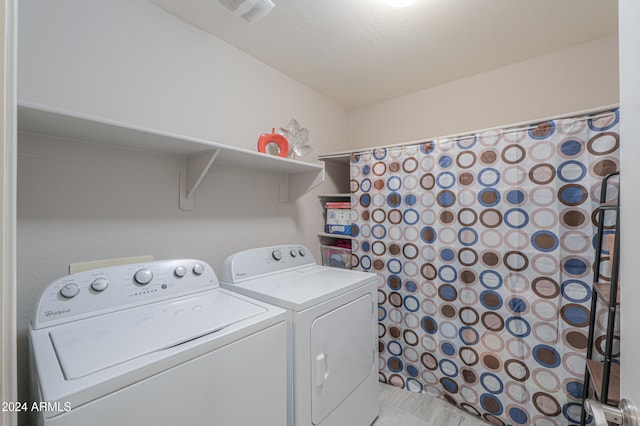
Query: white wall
(573, 79)
(130, 61)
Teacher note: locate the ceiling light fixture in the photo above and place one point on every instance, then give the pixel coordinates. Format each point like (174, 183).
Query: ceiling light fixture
(249, 10)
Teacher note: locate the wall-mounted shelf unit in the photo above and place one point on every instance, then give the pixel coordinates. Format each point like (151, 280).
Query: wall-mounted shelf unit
(296, 177)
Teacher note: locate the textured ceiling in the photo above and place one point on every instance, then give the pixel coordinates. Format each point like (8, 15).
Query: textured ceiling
(360, 52)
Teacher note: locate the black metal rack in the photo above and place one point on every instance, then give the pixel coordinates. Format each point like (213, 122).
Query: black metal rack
(602, 374)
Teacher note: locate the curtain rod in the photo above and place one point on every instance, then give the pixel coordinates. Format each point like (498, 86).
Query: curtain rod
(523, 125)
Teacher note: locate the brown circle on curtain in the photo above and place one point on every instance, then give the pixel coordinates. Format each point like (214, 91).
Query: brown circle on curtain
(379, 215)
(382, 330)
(394, 216)
(354, 184)
(573, 218)
(462, 254)
(518, 374)
(492, 321)
(427, 181)
(600, 135)
(466, 178)
(604, 167)
(382, 297)
(395, 282)
(542, 130)
(448, 311)
(395, 299)
(469, 376)
(468, 276)
(518, 158)
(355, 260)
(378, 184)
(365, 215)
(576, 339)
(491, 218)
(546, 404)
(412, 249)
(379, 168)
(490, 258)
(460, 162)
(490, 403)
(467, 217)
(489, 198)
(468, 355)
(511, 255)
(447, 216)
(427, 146)
(381, 347)
(594, 220)
(378, 265)
(429, 324)
(429, 361)
(601, 342)
(396, 380)
(490, 418)
(394, 167)
(545, 287)
(488, 157)
(428, 271)
(410, 165)
(491, 362)
(410, 337)
(394, 249)
(469, 316)
(470, 409)
(542, 174)
(394, 331)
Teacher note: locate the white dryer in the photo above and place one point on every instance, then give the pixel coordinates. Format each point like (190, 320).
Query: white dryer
(156, 343)
(332, 358)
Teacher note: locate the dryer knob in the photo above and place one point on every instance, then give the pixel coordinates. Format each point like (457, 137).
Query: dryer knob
(198, 269)
(69, 290)
(100, 284)
(293, 253)
(180, 271)
(302, 252)
(276, 254)
(143, 276)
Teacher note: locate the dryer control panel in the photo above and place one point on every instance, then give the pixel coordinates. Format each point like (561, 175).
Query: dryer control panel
(105, 290)
(264, 261)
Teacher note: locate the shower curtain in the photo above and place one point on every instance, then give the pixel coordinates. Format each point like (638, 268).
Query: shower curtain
(485, 245)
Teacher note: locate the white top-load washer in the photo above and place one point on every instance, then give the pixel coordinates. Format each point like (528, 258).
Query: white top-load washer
(333, 375)
(156, 343)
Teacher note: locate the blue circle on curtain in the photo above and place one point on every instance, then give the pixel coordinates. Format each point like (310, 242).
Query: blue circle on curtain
(365, 185)
(515, 326)
(485, 381)
(575, 315)
(382, 313)
(489, 177)
(545, 241)
(517, 305)
(355, 230)
(467, 145)
(415, 385)
(394, 348)
(490, 279)
(576, 407)
(566, 295)
(449, 385)
(394, 266)
(379, 153)
(445, 161)
(607, 126)
(378, 231)
(491, 404)
(469, 335)
(448, 292)
(448, 349)
(546, 356)
(445, 180)
(575, 266)
(365, 246)
(411, 216)
(447, 254)
(365, 200)
(489, 197)
(446, 198)
(572, 195)
(571, 147)
(427, 147)
(491, 300)
(412, 371)
(411, 303)
(519, 417)
(448, 368)
(429, 325)
(366, 170)
(410, 199)
(447, 273)
(575, 389)
(394, 364)
(516, 218)
(542, 130)
(394, 282)
(365, 262)
(463, 236)
(576, 166)
(428, 234)
(515, 197)
(394, 199)
(394, 183)
(410, 286)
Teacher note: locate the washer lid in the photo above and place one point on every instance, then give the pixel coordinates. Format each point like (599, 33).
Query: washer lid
(87, 346)
(302, 288)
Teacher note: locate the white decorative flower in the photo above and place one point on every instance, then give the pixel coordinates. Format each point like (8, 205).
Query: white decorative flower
(298, 139)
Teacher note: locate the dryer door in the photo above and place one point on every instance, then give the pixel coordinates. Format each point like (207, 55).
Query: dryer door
(342, 354)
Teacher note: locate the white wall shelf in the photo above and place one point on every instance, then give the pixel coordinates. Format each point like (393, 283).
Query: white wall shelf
(296, 177)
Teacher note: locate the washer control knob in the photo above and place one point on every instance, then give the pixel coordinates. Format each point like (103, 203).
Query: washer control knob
(276, 254)
(143, 276)
(180, 271)
(293, 253)
(100, 284)
(69, 290)
(198, 269)
(302, 252)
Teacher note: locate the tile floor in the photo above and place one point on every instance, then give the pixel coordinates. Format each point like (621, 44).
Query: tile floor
(399, 407)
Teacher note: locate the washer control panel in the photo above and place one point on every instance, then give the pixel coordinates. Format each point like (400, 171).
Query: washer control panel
(113, 288)
(259, 262)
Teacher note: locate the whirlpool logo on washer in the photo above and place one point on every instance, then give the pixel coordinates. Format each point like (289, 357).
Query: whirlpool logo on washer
(57, 313)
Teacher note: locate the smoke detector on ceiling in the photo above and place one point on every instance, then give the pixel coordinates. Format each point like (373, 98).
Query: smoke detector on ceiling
(249, 10)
